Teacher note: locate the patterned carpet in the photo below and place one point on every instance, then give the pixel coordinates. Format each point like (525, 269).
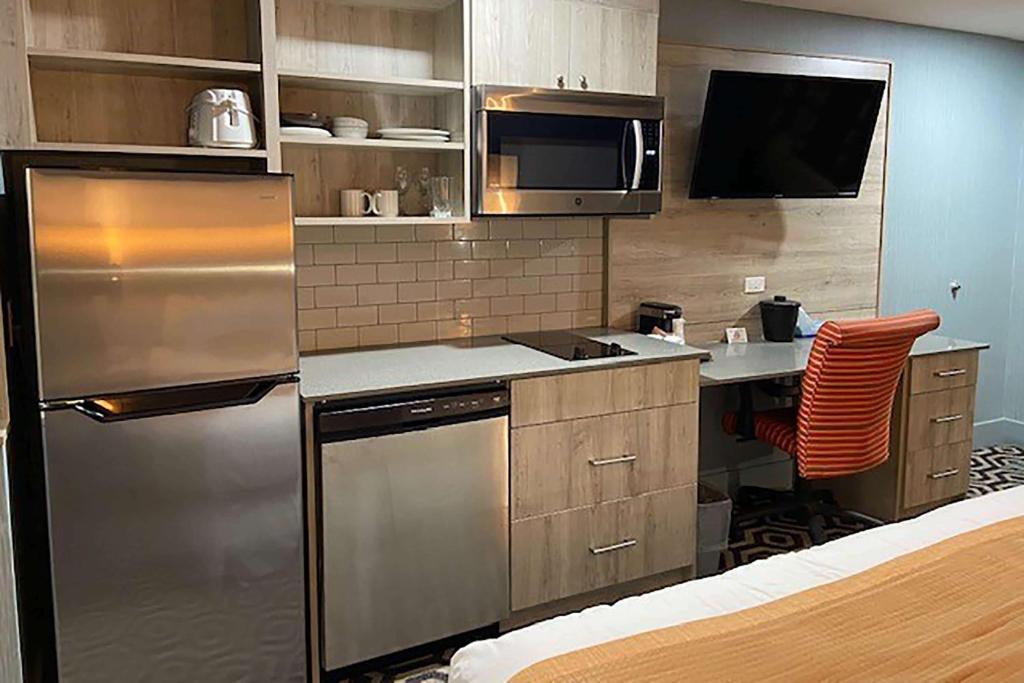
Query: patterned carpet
(992, 469)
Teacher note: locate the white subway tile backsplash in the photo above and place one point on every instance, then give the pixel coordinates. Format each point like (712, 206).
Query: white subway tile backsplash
(311, 276)
(378, 335)
(397, 313)
(433, 233)
(410, 292)
(332, 297)
(376, 285)
(332, 254)
(396, 272)
(454, 289)
(416, 251)
(378, 294)
(356, 275)
(376, 253)
(472, 270)
(396, 233)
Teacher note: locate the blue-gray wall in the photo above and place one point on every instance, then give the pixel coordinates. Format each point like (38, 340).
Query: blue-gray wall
(954, 209)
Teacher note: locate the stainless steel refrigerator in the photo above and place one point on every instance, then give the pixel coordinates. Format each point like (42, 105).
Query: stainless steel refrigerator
(166, 343)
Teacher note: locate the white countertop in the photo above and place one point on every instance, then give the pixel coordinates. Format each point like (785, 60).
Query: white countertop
(365, 372)
(734, 363)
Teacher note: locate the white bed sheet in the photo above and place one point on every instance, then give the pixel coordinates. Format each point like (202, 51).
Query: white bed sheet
(497, 660)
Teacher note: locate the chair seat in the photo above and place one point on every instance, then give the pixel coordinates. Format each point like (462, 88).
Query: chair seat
(776, 427)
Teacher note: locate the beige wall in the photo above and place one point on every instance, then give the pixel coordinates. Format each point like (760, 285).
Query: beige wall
(365, 285)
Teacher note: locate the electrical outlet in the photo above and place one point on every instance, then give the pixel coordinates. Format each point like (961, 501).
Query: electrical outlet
(754, 285)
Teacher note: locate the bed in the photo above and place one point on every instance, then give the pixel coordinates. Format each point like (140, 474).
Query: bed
(525, 654)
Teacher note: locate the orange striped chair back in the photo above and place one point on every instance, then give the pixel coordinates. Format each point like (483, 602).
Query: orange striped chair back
(848, 391)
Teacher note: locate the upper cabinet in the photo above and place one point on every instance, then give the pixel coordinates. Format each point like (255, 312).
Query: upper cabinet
(602, 45)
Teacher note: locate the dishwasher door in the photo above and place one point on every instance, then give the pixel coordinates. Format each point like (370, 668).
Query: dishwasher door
(414, 538)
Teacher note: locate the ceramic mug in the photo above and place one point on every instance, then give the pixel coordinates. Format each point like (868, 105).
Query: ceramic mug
(385, 203)
(355, 203)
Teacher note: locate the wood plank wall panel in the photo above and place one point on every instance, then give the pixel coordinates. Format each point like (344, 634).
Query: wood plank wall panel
(696, 253)
(184, 28)
(331, 37)
(16, 125)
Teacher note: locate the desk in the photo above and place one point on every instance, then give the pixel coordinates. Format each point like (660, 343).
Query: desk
(738, 363)
(932, 426)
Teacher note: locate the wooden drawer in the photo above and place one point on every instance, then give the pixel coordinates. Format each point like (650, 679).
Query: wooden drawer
(936, 474)
(588, 548)
(601, 392)
(564, 465)
(943, 371)
(940, 417)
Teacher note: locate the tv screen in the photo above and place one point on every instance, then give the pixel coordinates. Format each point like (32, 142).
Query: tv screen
(774, 135)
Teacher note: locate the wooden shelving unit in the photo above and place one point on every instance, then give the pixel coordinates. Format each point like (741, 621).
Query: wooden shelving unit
(372, 143)
(94, 61)
(101, 148)
(92, 76)
(374, 220)
(393, 85)
(392, 63)
(99, 78)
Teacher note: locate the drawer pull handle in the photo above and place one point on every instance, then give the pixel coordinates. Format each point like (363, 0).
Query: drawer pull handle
(612, 461)
(948, 418)
(628, 543)
(950, 373)
(945, 474)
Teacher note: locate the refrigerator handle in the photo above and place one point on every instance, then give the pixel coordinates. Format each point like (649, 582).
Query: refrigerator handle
(174, 401)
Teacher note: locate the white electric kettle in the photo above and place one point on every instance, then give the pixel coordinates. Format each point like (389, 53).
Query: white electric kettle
(221, 117)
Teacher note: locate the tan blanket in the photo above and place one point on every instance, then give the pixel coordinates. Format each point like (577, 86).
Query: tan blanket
(950, 612)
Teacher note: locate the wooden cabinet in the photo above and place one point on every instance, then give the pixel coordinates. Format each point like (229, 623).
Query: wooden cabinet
(603, 480)
(601, 45)
(563, 465)
(585, 549)
(931, 436)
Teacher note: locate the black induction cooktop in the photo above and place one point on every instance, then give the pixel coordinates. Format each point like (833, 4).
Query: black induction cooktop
(568, 346)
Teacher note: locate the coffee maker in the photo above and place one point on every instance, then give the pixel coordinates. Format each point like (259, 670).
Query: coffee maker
(653, 314)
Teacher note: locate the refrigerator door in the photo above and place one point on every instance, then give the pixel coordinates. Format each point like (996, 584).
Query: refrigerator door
(176, 539)
(147, 280)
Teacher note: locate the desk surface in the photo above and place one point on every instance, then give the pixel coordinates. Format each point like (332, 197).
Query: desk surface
(768, 360)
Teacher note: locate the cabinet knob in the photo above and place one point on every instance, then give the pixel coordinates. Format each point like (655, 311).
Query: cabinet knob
(560, 81)
(583, 82)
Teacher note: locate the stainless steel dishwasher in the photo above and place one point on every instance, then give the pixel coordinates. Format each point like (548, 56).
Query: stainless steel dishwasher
(414, 520)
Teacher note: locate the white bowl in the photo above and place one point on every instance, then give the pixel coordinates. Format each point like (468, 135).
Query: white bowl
(355, 133)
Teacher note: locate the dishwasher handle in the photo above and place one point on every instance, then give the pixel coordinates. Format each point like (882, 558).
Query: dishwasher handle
(347, 420)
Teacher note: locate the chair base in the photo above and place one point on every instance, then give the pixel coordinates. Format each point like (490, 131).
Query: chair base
(811, 506)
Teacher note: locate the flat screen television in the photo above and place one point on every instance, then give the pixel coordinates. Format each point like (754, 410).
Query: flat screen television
(776, 135)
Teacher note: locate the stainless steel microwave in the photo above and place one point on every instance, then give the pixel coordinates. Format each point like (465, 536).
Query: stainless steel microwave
(556, 152)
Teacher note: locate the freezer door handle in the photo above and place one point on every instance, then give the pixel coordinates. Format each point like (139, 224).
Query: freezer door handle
(174, 401)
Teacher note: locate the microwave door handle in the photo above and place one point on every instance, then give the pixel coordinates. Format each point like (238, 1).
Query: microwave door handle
(638, 154)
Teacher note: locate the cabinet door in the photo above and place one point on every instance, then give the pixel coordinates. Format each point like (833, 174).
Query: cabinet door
(614, 48)
(521, 42)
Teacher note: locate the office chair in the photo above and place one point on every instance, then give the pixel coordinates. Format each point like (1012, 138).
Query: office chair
(841, 426)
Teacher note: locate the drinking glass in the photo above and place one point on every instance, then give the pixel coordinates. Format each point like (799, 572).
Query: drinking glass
(441, 197)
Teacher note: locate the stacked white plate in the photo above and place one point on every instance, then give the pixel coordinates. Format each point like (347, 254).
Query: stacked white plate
(349, 127)
(415, 134)
(305, 131)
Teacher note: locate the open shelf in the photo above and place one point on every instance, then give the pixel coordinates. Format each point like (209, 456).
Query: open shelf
(206, 29)
(101, 148)
(373, 143)
(96, 61)
(378, 220)
(389, 85)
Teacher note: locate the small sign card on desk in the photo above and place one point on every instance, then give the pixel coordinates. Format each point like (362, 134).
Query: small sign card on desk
(736, 335)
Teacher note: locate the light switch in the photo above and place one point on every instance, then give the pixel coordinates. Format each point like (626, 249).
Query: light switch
(754, 285)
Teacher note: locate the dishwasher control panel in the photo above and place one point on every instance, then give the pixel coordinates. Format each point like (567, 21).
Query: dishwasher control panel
(398, 411)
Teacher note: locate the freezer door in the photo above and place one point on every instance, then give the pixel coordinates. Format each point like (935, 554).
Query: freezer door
(146, 280)
(177, 542)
